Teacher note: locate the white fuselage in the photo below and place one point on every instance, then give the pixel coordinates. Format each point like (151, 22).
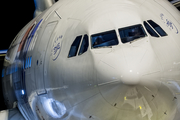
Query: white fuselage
(52, 77)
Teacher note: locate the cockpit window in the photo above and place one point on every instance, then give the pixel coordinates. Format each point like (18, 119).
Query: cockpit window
(74, 47)
(84, 45)
(131, 33)
(104, 39)
(150, 30)
(157, 28)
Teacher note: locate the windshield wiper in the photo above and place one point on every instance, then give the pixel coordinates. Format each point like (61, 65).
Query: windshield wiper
(103, 47)
(136, 38)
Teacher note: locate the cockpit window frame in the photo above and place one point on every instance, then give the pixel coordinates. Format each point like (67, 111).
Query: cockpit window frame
(138, 26)
(86, 45)
(155, 26)
(104, 33)
(77, 41)
(78, 51)
(150, 30)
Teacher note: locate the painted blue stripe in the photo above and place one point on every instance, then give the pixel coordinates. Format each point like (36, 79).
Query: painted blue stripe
(28, 63)
(3, 51)
(32, 35)
(3, 73)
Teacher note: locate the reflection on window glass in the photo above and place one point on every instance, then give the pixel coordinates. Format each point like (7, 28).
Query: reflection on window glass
(17, 85)
(157, 28)
(104, 39)
(84, 45)
(74, 47)
(129, 34)
(150, 30)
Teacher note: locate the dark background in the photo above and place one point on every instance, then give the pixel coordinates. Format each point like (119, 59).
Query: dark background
(2, 105)
(15, 14)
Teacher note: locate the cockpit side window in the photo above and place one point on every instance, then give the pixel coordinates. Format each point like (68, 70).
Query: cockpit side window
(157, 28)
(74, 47)
(150, 30)
(104, 39)
(84, 45)
(131, 33)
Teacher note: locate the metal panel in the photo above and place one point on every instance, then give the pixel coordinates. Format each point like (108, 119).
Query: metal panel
(41, 53)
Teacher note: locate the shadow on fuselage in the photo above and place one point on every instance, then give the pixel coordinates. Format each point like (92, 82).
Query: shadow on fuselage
(2, 106)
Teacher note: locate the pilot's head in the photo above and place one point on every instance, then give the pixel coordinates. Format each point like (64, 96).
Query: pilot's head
(135, 32)
(98, 41)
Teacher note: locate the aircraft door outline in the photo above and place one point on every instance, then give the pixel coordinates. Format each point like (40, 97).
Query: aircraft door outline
(39, 69)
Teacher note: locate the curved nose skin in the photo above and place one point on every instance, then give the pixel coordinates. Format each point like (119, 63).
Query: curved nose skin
(130, 77)
(115, 68)
(125, 63)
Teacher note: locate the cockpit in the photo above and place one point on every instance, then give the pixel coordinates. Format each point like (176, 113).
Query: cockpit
(104, 39)
(110, 38)
(132, 33)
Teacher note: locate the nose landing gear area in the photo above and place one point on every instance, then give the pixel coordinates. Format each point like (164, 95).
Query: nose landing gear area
(151, 102)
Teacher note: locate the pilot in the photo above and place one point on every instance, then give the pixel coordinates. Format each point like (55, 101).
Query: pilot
(133, 34)
(136, 32)
(98, 41)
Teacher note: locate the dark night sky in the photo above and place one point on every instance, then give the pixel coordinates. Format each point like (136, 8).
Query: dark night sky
(15, 14)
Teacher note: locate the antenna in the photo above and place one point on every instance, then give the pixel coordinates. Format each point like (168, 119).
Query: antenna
(41, 5)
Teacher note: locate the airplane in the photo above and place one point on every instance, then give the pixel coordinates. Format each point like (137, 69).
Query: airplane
(95, 60)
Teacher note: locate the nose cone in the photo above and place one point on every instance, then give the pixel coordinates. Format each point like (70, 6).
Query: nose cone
(130, 77)
(109, 70)
(124, 65)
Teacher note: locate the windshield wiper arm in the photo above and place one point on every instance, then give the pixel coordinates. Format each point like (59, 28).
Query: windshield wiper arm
(104, 47)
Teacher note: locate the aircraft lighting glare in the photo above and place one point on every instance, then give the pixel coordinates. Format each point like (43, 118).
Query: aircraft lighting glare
(22, 92)
(54, 108)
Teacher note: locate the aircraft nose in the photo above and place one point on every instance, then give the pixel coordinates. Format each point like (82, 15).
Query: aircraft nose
(130, 76)
(124, 65)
